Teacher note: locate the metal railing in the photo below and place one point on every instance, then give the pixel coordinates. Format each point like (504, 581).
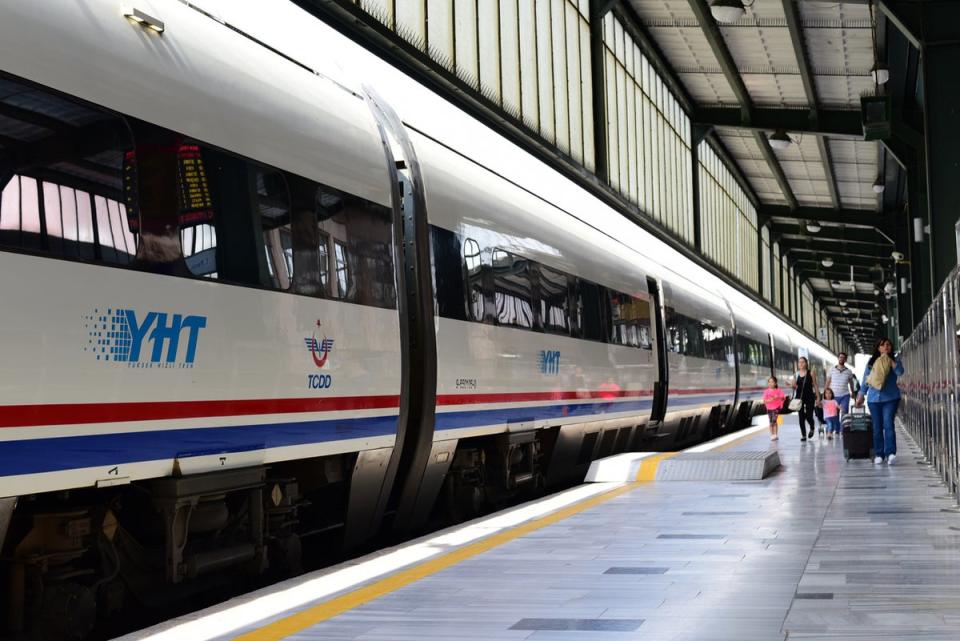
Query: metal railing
(929, 409)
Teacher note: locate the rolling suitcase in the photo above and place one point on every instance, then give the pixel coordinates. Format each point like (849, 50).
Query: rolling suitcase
(857, 429)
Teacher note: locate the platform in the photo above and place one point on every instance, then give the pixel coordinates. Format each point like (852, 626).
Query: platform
(821, 549)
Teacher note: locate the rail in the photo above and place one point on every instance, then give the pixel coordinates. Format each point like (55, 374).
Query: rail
(929, 408)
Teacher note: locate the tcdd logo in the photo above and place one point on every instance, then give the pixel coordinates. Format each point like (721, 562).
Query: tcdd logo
(549, 361)
(319, 381)
(319, 349)
(119, 335)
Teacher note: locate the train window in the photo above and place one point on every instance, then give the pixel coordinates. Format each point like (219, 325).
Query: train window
(513, 290)
(753, 352)
(554, 301)
(448, 284)
(343, 269)
(273, 200)
(476, 289)
(715, 342)
(62, 176)
(79, 182)
(592, 313)
(630, 321)
(323, 260)
(369, 230)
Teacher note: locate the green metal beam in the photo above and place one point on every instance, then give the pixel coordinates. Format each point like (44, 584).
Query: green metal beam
(718, 45)
(837, 236)
(803, 256)
(836, 251)
(835, 123)
(859, 217)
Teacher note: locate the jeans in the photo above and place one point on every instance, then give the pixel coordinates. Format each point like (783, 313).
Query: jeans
(884, 436)
(844, 403)
(833, 424)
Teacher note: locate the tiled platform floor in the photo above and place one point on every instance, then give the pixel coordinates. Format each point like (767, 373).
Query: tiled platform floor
(823, 549)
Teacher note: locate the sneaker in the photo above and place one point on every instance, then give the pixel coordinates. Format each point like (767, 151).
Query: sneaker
(810, 435)
(878, 460)
(774, 438)
(891, 459)
(830, 436)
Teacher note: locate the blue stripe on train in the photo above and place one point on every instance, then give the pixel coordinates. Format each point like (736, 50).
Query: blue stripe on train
(39, 455)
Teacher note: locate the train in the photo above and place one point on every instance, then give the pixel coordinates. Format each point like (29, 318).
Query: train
(248, 306)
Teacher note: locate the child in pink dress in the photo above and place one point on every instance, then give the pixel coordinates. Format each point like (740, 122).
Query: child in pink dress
(831, 412)
(773, 400)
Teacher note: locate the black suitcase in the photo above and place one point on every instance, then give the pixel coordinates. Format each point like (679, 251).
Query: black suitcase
(857, 435)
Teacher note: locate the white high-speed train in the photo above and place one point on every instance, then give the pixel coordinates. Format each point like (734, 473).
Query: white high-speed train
(246, 304)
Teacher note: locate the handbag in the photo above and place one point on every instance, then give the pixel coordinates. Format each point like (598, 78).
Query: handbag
(796, 403)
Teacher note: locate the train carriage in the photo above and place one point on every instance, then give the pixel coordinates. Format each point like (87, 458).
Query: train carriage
(249, 310)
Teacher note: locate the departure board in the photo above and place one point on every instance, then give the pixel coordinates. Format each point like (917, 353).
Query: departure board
(196, 206)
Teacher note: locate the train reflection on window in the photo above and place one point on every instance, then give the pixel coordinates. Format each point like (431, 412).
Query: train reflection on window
(105, 188)
(692, 337)
(785, 361)
(512, 290)
(470, 281)
(753, 352)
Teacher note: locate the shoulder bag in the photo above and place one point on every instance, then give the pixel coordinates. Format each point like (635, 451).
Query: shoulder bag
(796, 403)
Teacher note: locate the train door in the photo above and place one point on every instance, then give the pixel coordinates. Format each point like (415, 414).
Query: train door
(735, 411)
(773, 353)
(660, 387)
(416, 468)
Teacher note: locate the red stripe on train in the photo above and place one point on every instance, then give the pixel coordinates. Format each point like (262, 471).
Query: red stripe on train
(86, 413)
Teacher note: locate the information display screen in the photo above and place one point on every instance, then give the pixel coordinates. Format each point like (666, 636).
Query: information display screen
(196, 206)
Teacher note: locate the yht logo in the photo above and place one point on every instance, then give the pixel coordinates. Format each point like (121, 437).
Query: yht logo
(319, 349)
(549, 362)
(157, 339)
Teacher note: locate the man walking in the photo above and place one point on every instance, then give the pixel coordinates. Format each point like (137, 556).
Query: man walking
(840, 380)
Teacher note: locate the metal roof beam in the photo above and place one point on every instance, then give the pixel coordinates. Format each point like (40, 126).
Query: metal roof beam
(803, 62)
(838, 254)
(718, 45)
(836, 123)
(861, 217)
(803, 257)
(836, 235)
(711, 31)
(861, 274)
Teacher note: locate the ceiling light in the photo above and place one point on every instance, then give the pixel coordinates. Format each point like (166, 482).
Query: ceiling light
(843, 303)
(727, 11)
(827, 262)
(144, 20)
(779, 140)
(876, 292)
(879, 186)
(880, 73)
(813, 226)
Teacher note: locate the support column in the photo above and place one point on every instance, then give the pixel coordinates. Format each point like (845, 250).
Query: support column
(933, 27)
(941, 112)
(921, 268)
(598, 9)
(697, 134)
(760, 226)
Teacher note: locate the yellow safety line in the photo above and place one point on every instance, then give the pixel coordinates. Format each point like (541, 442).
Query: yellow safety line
(649, 465)
(327, 610)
